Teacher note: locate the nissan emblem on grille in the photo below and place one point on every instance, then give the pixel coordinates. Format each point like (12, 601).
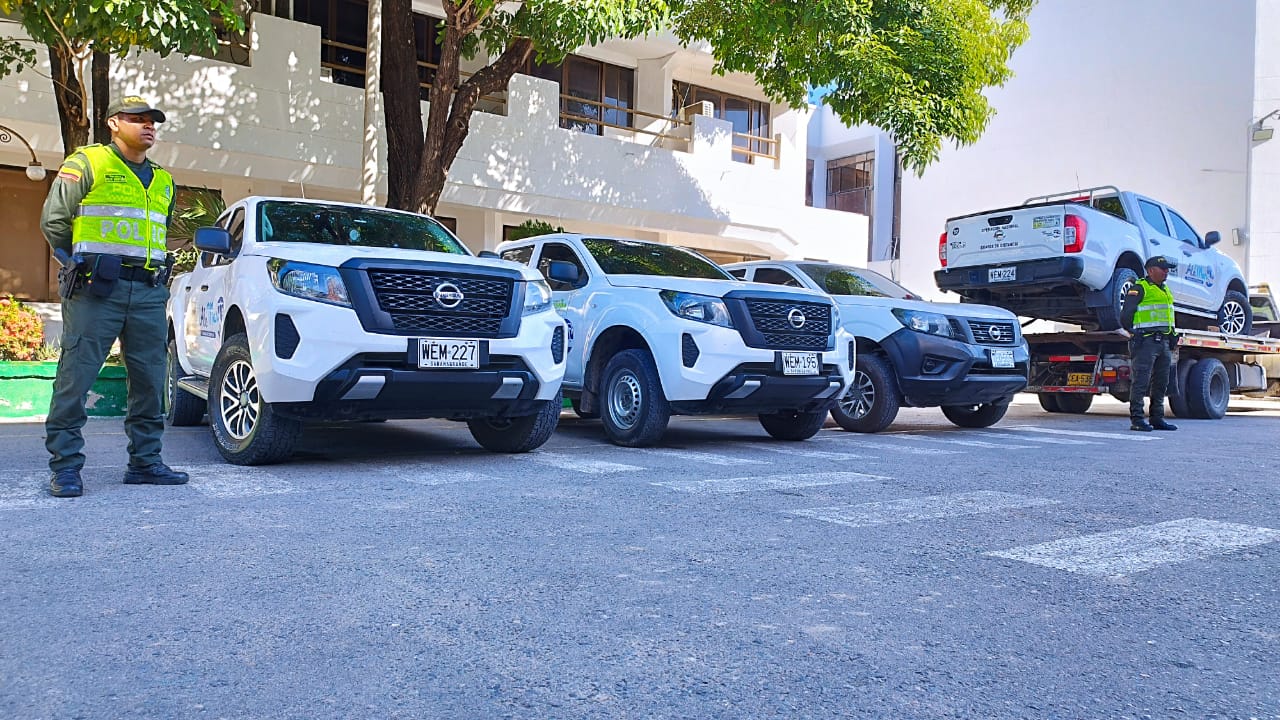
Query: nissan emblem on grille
(448, 295)
(796, 318)
(995, 332)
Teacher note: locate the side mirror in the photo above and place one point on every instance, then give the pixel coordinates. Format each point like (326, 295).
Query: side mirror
(1212, 238)
(213, 240)
(488, 254)
(564, 272)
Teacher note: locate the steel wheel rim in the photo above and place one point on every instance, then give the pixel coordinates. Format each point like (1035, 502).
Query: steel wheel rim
(1232, 318)
(860, 397)
(626, 397)
(239, 403)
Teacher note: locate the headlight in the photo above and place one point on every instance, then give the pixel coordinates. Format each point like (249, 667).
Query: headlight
(835, 317)
(537, 296)
(925, 322)
(702, 308)
(313, 282)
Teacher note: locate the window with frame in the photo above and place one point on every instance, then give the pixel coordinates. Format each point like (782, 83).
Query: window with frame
(1183, 230)
(561, 253)
(775, 276)
(750, 118)
(1154, 216)
(851, 183)
(344, 28)
(593, 94)
(521, 255)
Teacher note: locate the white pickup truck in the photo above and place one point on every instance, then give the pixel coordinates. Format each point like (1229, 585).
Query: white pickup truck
(1071, 257)
(301, 310)
(656, 330)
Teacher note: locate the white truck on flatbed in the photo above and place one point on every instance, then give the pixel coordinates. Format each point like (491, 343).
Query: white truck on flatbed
(656, 329)
(308, 311)
(1070, 258)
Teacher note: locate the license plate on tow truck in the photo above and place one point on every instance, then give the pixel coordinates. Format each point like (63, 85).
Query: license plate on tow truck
(800, 363)
(444, 353)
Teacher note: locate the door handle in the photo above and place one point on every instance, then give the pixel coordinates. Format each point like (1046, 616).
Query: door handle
(1155, 242)
(203, 288)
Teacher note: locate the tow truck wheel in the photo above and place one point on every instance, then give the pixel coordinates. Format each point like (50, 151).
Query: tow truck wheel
(1235, 317)
(246, 430)
(1074, 403)
(1208, 389)
(976, 416)
(1178, 390)
(181, 408)
(635, 410)
(517, 434)
(871, 403)
(1049, 401)
(792, 424)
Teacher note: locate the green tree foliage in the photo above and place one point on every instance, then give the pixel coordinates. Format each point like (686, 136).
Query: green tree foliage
(533, 228)
(74, 29)
(916, 68)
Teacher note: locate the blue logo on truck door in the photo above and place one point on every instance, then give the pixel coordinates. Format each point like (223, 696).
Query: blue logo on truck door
(1199, 274)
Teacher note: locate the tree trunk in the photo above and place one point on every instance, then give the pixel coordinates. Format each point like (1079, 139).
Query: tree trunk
(69, 94)
(402, 106)
(101, 96)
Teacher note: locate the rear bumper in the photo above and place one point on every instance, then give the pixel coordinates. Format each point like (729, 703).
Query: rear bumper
(934, 370)
(1047, 273)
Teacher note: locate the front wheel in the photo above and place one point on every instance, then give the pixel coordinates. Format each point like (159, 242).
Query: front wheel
(635, 411)
(1235, 317)
(246, 430)
(792, 424)
(518, 434)
(182, 409)
(976, 416)
(871, 403)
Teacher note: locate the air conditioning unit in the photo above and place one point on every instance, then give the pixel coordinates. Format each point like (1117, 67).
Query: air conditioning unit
(702, 107)
(326, 74)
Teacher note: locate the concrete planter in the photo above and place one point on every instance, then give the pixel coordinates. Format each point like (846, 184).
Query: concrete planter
(26, 387)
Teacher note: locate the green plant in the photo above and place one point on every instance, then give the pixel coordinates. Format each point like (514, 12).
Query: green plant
(531, 228)
(21, 330)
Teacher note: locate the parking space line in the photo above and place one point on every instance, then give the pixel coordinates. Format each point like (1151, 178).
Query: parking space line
(862, 443)
(1046, 440)
(932, 507)
(700, 457)
(1123, 552)
(820, 454)
(579, 464)
(752, 484)
(967, 443)
(1139, 437)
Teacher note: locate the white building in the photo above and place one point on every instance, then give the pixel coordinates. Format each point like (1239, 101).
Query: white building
(1156, 96)
(283, 115)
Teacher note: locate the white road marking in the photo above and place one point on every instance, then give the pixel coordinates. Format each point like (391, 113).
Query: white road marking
(967, 443)
(577, 463)
(862, 443)
(1140, 437)
(802, 452)
(1123, 552)
(933, 507)
(429, 474)
(233, 481)
(1046, 440)
(700, 457)
(751, 484)
(32, 491)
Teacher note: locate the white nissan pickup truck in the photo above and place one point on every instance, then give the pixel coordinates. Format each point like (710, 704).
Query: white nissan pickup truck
(656, 330)
(302, 310)
(1070, 257)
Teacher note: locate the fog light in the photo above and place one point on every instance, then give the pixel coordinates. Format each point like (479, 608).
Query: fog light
(933, 365)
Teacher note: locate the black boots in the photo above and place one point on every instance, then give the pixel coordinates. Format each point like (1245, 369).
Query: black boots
(66, 483)
(154, 474)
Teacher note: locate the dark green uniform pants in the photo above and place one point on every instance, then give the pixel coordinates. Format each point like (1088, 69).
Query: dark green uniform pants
(1151, 358)
(135, 313)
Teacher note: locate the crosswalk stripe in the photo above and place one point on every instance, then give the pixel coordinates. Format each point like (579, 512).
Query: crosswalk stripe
(953, 441)
(932, 507)
(1140, 437)
(756, 483)
(1123, 552)
(861, 442)
(701, 457)
(234, 481)
(579, 464)
(1046, 440)
(429, 474)
(820, 454)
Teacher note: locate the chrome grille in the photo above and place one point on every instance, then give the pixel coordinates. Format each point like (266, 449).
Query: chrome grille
(770, 318)
(987, 332)
(408, 296)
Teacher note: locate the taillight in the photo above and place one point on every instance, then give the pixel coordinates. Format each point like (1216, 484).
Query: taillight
(942, 248)
(1073, 232)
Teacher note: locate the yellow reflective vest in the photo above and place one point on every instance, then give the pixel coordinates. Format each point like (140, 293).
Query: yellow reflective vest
(1155, 312)
(119, 216)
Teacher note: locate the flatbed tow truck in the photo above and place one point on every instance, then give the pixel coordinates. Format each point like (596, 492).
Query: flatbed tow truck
(1069, 368)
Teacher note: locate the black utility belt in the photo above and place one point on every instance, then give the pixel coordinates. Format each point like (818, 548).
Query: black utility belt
(1155, 334)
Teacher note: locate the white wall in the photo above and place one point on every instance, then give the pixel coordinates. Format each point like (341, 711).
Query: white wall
(1264, 207)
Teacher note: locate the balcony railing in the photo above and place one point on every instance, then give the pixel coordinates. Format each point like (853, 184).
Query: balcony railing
(751, 147)
(666, 133)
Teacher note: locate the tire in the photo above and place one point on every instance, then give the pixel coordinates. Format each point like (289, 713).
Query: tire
(1121, 395)
(976, 416)
(871, 402)
(1177, 394)
(518, 434)
(181, 408)
(1074, 403)
(1049, 401)
(1208, 389)
(1235, 317)
(246, 430)
(792, 424)
(576, 404)
(635, 410)
(1122, 278)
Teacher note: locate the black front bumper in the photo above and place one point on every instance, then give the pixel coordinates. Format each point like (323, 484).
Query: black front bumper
(762, 388)
(935, 370)
(1044, 274)
(386, 386)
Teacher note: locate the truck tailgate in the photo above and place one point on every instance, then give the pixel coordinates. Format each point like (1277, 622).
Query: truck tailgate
(1006, 236)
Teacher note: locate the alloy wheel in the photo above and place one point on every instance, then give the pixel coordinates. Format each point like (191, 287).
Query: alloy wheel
(860, 397)
(239, 402)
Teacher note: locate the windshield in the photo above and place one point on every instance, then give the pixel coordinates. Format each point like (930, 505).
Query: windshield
(632, 257)
(282, 221)
(845, 280)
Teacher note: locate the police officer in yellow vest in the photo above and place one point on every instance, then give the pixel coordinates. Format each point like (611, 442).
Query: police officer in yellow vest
(107, 214)
(1147, 314)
